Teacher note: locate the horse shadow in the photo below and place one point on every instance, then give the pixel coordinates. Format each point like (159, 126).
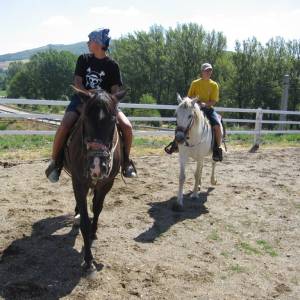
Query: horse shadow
(44, 265)
(165, 216)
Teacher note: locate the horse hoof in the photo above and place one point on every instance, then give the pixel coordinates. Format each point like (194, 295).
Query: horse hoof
(194, 196)
(90, 270)
(77, 220)
(94, 237)
(213, 182)
(177, 207)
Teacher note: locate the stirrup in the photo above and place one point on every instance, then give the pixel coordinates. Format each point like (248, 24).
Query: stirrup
(129, 171)
(171, 148)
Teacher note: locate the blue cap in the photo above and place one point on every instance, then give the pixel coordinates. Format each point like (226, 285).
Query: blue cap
(100, 36)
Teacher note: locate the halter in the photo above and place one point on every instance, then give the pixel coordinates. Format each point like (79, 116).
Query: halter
(186, 130)
(101, 150)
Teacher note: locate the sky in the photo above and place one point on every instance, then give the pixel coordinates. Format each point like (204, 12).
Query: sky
(27, 24)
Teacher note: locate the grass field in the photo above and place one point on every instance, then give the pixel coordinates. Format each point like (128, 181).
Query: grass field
(3, 93)
(18, 147)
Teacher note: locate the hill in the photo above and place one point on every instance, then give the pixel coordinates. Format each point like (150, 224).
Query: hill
(76, 48)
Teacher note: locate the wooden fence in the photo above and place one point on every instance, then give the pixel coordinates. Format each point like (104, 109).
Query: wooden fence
(257, 119)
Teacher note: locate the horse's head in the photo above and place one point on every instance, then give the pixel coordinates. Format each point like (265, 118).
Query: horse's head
(186, 113)
(98, 126)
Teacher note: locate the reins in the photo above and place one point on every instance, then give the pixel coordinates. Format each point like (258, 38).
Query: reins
(187, 130)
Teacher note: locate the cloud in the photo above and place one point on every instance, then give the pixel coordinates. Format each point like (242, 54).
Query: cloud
(57, 21)
(106, 11)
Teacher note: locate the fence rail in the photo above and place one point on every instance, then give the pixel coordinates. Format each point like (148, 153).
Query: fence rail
(257, 132)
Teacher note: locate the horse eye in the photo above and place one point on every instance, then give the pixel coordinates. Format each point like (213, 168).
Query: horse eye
(190, 116)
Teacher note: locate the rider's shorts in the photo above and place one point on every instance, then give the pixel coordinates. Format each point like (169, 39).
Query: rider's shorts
(212, 116)
(75, 102)
(73, 105)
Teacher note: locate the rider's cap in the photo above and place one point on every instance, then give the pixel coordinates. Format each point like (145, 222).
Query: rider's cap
(206, 66)
(100, 36)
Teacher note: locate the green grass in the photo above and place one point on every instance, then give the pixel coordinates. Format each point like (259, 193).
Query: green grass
(24, 147)
(238, 269)
(41, 145)
(267, 248)
(214, 236)
(248, 249)
(266, 139)
(3, 93)
(263, 247)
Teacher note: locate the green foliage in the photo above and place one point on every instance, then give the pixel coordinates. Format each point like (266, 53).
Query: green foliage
(146, 99)
(47, 75)
(162, 61)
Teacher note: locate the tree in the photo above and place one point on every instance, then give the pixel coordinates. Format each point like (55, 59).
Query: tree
(47, 75)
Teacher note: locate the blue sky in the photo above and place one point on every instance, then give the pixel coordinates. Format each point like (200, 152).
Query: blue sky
(26, 24)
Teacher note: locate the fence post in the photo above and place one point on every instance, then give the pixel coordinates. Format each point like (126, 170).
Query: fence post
(258, 126)
(284, 99)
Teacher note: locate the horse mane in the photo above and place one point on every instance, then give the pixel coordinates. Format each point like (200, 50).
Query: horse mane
(187, 103)
(104, 99)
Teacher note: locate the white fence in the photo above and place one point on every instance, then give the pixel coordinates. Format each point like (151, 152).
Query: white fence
(257, 132)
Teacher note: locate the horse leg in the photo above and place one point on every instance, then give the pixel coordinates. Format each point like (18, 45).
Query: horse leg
(213, 179)
(98, 200)
(198, 175)
(85, 224)
(181, 181)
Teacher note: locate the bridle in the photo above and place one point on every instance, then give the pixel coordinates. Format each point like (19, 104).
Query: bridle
(186, 130)
(105, 152)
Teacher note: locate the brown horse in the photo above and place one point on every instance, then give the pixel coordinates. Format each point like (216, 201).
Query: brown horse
(93, 157)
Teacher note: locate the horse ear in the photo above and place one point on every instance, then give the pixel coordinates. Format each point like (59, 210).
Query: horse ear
(81, 92)
(195, 100)
(179, 99)
(120, 94)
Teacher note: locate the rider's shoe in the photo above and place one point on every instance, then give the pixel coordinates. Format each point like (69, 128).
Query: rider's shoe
(171, 148)
(53, 171)
(129, 170)
(217, 154)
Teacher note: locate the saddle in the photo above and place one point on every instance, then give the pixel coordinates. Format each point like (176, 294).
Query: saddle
(172, 147)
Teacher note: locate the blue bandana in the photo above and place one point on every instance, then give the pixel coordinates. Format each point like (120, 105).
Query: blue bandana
(100, 36)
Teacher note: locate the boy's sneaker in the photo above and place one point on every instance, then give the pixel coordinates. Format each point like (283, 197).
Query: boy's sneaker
(217, 154)
(53, 172)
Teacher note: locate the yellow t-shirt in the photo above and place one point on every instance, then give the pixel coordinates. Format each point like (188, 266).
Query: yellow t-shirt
(205, 90)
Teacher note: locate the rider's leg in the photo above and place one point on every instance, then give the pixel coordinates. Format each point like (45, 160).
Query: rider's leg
(62, 132)
(215, 123)
(56, 164)
(70, 117)
(126, 128)
(218, 135)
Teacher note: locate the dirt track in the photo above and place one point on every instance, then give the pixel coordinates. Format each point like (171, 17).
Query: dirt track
(239, 241)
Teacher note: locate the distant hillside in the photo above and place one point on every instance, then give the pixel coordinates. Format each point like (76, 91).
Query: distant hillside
(77, 49)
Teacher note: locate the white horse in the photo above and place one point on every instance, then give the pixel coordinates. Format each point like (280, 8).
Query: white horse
(194, 137)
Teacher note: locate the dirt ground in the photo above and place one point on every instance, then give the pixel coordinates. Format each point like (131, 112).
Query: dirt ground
(240, 240)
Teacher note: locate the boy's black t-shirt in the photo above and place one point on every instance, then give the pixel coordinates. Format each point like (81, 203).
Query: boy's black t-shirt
(98, 73)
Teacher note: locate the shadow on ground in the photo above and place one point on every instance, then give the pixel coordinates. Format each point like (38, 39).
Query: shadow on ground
(44, 265)
(165, 216)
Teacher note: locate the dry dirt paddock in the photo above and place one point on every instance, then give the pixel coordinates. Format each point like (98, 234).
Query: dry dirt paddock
(240, 240)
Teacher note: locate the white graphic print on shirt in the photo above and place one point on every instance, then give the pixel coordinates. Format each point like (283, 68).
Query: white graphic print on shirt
(93, 79)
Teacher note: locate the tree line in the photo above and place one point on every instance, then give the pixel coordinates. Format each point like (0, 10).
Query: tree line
(158, 63)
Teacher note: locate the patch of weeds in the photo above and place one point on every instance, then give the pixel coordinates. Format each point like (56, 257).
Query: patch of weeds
(295, 280)
(231, 228)
(225, 254)
(214, 236)
(266, 247)
(238, 269)
(247, 248)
